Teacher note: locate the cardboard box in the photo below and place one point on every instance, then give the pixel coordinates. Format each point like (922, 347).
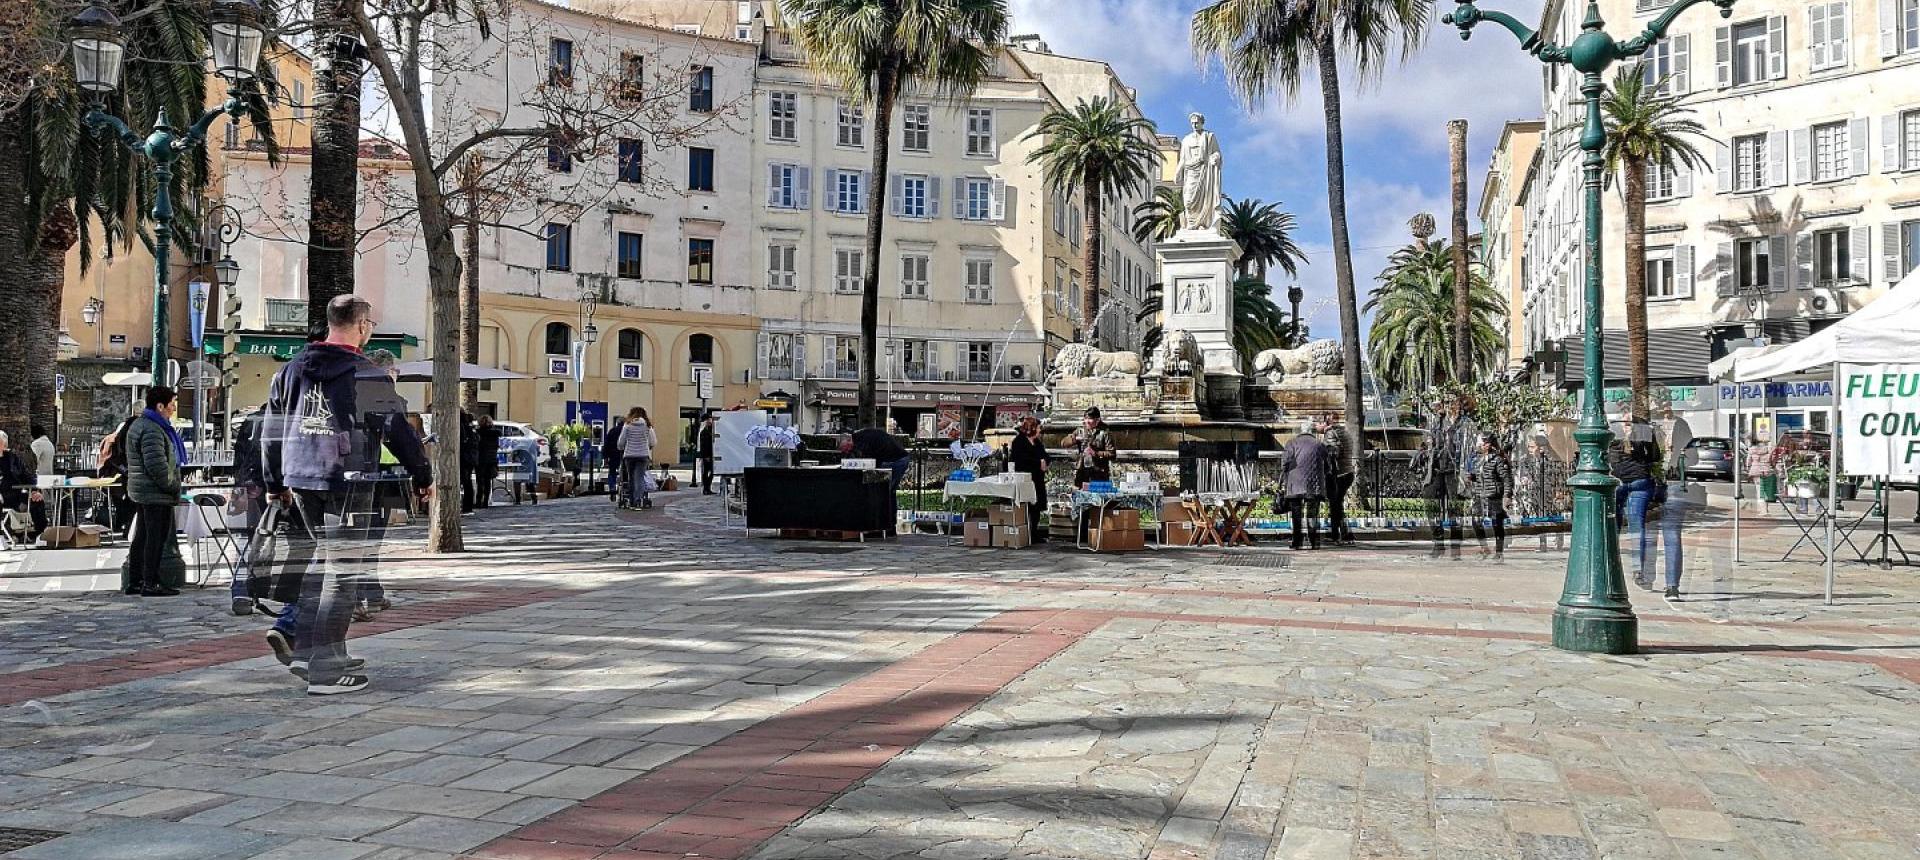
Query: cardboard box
(1120, 520)
(1007, 515)
(70, 537)
(1179, 533)
(1117, 540)
(1012, 537)
(1171, 511)
(977, 533)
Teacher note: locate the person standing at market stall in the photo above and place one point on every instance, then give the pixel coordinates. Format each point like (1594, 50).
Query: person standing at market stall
(1489, 476)
(1093, 450)
(1304, 474)
(154, 453)
(1029, 456)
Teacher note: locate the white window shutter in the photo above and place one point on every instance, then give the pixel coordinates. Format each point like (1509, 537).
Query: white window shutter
(1777, 47)
(960, 198)
(1860, 254)
(894, 183)
(933, 197)
(830, 189)
(760, 349)
(799, 353)
(866, 189)
(1802, 156)
(1817, 34)
(1890, 144)
(1723, 166)
(1889, 28)
(1723, 270)
(1723, 55)
(998, 194)
(1777, 251)
(1890, 252)
(1803, 260)
(803, 187)
(1840, 35)
(1682, 74)
(773, 184)
(1857, 142)
(1683, 271)
(1682, 181)
(1776, 159)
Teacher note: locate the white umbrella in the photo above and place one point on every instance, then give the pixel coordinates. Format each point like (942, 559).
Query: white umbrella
(422, 371)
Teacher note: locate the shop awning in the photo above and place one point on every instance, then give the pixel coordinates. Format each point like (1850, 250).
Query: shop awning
(930, 395)
(286, 346)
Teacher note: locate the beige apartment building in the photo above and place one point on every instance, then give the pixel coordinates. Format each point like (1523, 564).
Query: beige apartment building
(1504, 224)
(1808, 209)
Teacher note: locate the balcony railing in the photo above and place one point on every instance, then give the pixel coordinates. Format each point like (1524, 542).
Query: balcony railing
(779, 371)
(287, 314)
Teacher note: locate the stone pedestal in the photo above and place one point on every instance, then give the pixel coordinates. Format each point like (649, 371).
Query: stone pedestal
(1196, 273)
(1120, 399)
(1178, 395)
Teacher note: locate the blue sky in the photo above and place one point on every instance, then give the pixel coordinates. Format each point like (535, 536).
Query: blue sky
(1396, 141)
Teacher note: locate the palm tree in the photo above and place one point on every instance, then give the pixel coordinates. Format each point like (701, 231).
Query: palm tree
(1258, 323)
(333, 230)
(1267, 46)
(1158, 219)
(1265, 236)
(1411, 340)
(1097, 149)
(1462, 311)
(1646, 129)
(874, 50)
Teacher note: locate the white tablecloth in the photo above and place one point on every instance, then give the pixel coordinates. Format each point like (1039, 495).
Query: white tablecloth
(1018, 490)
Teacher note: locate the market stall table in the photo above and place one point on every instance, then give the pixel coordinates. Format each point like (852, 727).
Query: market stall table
(1842, 530)
(1084, 500)
(1227, 515)
(847, 501)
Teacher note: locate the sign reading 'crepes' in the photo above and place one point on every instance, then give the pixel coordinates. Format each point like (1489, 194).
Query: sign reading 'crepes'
(1880, 419)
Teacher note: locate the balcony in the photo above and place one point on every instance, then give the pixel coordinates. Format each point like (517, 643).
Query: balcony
(287, 315)
(779, 371)
(917, 372)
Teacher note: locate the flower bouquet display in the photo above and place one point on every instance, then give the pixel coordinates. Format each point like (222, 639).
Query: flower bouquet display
(773, 446)
(969, 454)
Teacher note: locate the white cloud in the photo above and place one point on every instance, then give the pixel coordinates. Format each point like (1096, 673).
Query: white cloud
(1146, 41)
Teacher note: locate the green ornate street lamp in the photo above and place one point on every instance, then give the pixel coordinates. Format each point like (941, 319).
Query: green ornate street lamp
(1594, 614)
(236, 33)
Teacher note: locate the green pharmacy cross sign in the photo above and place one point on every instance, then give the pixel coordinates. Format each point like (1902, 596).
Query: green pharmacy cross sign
(1594, 614)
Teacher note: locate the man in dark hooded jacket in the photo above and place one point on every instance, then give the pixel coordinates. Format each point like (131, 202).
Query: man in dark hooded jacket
(328, 413)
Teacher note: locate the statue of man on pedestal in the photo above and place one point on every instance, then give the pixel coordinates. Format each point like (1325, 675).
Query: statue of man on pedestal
(1199, 175)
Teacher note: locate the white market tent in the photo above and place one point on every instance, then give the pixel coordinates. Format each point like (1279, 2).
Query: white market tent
(1880, 333)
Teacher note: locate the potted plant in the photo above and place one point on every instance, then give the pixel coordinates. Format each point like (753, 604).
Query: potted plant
(773, 446)
(1807, 479)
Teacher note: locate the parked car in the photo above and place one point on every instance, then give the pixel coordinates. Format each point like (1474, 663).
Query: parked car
(521, 448)
(1709, 457)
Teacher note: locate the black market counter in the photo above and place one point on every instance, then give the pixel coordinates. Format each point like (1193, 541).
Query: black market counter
(825, 500)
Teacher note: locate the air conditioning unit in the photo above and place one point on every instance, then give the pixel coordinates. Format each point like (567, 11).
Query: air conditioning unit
(1017, 372)
(1827, 300)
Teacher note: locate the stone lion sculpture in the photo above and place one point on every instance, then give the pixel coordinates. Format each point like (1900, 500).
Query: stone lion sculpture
(1082, 361)
(1178, 355)
(1318, 358)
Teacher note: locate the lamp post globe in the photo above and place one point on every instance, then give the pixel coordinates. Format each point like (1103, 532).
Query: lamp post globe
(590, 335)
(90, 312)
(236, 33)
(227, 272)
(99, 48)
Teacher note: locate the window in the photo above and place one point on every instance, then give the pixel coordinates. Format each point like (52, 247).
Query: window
(1906, 27)
(631, 344)
(700, 349)
(1660, 280)
(699, 168)
(1907, 135)
(980, 281)
(743, 32)
(912, 199)
(849, 269)
(1752, 265)
(783, 116)
(628, 258)
(559, 150)
(853, 124)
(1907, 258)
(300, 100)
(843, 356)
(781, 272)
(779, 355)
(1059, 214)
(914, 355)
(633, 74)
(916, 128)
(560, 62)
(1832, 257)
(689, 29)
(980, 132)
(700, 90)
(1666, 67)
(1750, 162)
(980, 360)
(913, 275)
(849, 191)
(559, 247)
(977, 196)
(699, 261)
(559, 339)
(786, 186)
(631, 159)
(1750, 56)
(1827, 27)
(1831, 159)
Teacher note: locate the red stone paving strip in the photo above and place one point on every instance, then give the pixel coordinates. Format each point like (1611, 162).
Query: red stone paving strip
(726, 799)
(16, 687)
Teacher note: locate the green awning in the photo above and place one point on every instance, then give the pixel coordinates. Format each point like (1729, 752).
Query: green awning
(286, 346)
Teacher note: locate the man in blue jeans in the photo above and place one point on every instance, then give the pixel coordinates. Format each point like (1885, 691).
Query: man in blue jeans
(879, 446)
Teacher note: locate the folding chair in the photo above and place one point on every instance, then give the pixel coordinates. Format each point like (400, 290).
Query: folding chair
(210, 509)
(14, 528)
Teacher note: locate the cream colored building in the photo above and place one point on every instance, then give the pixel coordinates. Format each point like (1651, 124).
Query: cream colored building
(1808, 209)
(1503, 225)
(659, 235)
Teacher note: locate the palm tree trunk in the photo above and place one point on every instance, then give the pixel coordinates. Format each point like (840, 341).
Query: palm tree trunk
(15, 289)
(869, 413)
(1462, 337)
(331, 231)
(1636, 254)
(470, 292)
(47, 279)
(1090, 261)
(1329, 67)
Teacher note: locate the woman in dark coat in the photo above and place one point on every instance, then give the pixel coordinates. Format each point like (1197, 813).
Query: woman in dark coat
(1028, 455)
(1489, 475)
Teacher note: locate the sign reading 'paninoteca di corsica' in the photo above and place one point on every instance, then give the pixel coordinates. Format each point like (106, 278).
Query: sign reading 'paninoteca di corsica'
(1880, 419)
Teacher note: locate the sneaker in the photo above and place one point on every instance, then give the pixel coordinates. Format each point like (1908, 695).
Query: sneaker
(242, 606)
(1673, 591)
(380, 604)
(342, 684)
(282, 649)
(299, 669)
(362, 613)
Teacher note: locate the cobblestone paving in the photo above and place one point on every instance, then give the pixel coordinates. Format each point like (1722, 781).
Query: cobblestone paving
(587, 684)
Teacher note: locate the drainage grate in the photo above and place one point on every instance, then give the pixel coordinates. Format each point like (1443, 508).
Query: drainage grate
(819, 550)
(16, 838)
(1265, 561)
